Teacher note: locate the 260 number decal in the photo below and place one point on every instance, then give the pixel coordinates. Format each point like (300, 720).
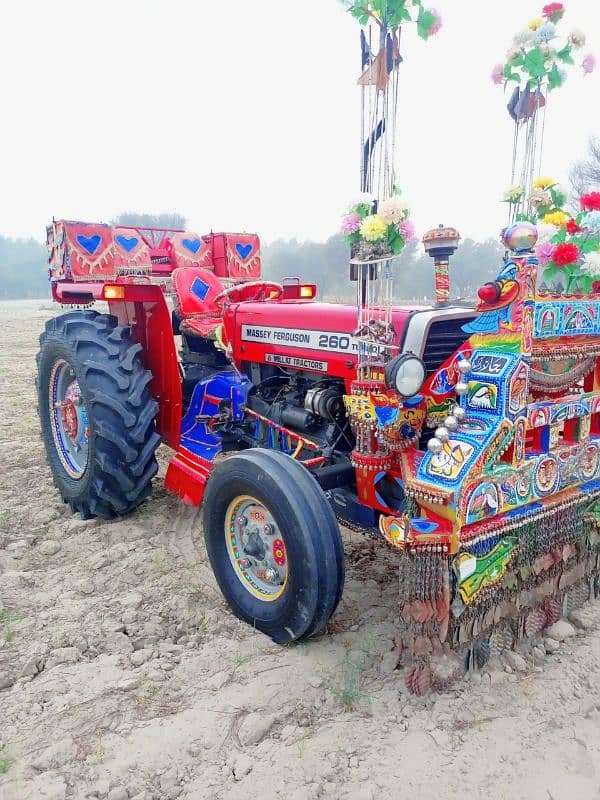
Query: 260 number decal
(334, 341)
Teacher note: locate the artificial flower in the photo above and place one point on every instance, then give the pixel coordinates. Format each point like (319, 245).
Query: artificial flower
(513, 53)
(392, 210)
(590, 202)
(407, 230)
(596, 287)
(437, 25)
(544, 253)
(591, 221)
(523, 38)
(565, 254)
(589, 64)
(362, 199)
(573, 227)
(350, 223)
(373, 228)
(577, 39)
(540, 198)
(543, 183)
(498, 74)
(591, 263)
(556, 218)
(545, 33)
(546, 232)
(554, 11)
(535, 24)
(514, 194)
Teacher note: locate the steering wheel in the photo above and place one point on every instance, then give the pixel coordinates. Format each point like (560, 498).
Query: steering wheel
(253, 290)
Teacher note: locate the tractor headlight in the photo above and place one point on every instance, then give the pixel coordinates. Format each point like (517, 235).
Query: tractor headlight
(405, 374)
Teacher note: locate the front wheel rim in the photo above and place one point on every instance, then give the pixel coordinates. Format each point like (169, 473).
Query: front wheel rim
(256, 548)
(68, 419)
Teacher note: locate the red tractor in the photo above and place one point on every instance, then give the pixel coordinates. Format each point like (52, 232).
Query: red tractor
(467, 439)
(240, 364)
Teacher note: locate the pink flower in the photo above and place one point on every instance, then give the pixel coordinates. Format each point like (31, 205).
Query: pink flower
(437, 25)
(407, 230)
(498, 74)
(350, 224)
(544, 253)
(589, 63)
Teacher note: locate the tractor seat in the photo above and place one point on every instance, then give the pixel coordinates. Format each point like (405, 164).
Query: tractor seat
(195, 289)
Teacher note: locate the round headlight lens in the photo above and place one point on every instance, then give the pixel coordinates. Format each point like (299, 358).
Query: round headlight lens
(405, 374)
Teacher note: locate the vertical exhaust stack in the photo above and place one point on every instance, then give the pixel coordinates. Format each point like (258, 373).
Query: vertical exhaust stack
(441, 243)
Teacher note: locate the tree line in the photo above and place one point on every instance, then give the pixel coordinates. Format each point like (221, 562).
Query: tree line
(24, 268)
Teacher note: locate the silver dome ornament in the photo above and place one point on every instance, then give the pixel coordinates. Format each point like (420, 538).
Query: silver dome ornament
(464, 367)
(459, 413)
(443, 434)
(435, 446)
(461, 388)
(451, 423)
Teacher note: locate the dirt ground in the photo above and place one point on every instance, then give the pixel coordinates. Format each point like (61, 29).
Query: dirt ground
(124, 675)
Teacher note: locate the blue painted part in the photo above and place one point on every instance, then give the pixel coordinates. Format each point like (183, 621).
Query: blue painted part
(89, 243)
(524, 511)
(488, 321)
(199, 288)
(193, 245)
(195, 436)
(592, 486)
(423, 526)
(386, 415)
(127, 242)
(243, 250)
(412, 402)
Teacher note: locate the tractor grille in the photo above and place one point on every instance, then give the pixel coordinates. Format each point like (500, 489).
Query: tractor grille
(443, 339)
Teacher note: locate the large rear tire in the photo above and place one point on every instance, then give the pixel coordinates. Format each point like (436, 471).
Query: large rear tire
(96, 413)
(274, 544)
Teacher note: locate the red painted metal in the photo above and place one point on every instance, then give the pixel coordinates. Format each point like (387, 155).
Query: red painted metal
(187, 475)
(145, 309)
(301, 318)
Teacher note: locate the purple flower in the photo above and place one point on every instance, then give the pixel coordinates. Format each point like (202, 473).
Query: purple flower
(407, 230)
(498, 74)
(350, 224)
(544, 253)
(589, 63)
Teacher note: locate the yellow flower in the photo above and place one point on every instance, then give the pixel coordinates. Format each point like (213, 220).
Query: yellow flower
(535, 24)
(543, 183)
(373, 228)
(556, 218)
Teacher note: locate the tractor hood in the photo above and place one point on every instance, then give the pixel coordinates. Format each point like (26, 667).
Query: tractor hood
(318, 337)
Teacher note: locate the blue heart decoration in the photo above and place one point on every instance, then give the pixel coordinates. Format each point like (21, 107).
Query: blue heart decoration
(193, 245)
(89, 243)
(127, 242)
(244, 250)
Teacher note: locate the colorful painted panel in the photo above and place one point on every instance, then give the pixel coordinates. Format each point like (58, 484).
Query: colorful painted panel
(132, 254)
(243, 256)
(554, 319)
(88, 251)
(191, 250)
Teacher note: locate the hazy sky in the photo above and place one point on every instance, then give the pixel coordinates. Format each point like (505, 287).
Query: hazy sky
(244, 115)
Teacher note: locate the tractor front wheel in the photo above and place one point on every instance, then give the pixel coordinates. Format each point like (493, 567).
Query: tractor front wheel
(96, 413)
(273, 543)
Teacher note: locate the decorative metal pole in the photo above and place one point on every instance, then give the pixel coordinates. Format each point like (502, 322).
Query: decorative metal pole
(441, 243)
